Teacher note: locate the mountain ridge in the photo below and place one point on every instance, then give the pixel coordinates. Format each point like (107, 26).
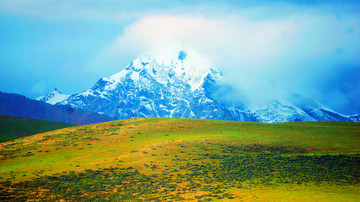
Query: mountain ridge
(21, 106)
(148, 88)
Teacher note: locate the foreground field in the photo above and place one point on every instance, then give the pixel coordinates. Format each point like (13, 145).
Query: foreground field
(185, 159)
(14, 127)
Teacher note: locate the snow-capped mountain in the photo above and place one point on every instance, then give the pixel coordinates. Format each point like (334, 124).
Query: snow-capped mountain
(296, 108)
(316, 110)
(276, 112)
(146, 88)
(53, 97)
(149, 88)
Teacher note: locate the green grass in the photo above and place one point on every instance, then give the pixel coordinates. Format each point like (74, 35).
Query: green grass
(185, 159)
(14, 127)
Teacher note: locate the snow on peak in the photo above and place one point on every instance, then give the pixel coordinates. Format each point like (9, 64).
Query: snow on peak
(54, 97)
(141, 62)
(181, 67)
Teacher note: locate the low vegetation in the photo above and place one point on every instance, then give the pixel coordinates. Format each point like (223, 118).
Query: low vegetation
(185, 159)
(14, 127)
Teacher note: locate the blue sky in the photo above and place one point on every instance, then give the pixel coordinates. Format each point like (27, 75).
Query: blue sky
(265, 49)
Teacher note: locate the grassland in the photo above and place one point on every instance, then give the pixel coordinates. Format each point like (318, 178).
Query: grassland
(185, 159)
(14, 127)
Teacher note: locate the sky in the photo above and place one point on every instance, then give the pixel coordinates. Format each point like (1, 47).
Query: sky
(265, 49)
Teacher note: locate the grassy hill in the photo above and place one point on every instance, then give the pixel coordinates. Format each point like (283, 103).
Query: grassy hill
(185, 159)
(15, 127)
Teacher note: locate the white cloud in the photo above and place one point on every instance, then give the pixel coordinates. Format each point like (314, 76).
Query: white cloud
(264, 51)
(261, 57)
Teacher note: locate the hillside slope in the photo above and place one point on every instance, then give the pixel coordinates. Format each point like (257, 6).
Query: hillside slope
(15, 127)
(21, 106)
(173, 159)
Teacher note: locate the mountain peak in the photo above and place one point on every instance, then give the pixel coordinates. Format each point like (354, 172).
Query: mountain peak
(141, 62)
(56, 91)
(54, 97)
(179, 68)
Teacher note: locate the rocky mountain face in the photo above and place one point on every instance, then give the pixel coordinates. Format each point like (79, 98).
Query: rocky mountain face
(21, 106)
(147, 88)
(355, 118)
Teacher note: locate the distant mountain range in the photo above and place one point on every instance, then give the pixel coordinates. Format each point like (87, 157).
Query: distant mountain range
(20, 106)
(148, 88)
